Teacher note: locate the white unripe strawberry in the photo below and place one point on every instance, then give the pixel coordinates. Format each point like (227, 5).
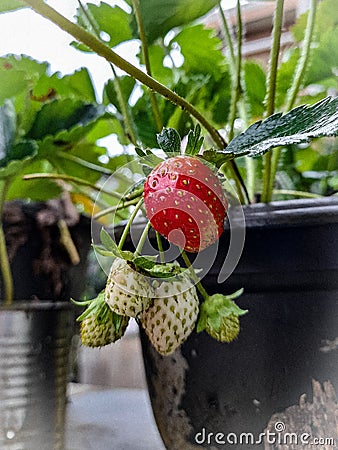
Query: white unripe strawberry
(171, 318)
(127, 291)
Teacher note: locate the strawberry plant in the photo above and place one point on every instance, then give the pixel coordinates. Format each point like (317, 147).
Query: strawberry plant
(182, 182)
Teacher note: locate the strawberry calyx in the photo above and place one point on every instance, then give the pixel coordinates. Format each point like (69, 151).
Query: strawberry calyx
(98, 307)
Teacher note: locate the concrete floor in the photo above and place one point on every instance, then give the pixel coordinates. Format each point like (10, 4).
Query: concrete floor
(109, 409)
(119, 365)
(110, 419)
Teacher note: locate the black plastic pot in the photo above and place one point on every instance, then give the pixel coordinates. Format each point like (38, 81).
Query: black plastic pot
(34, 349)
(289, 338)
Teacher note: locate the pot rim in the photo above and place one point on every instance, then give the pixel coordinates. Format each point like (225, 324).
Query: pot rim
(318, 211)
(34, 305)
(297, 212)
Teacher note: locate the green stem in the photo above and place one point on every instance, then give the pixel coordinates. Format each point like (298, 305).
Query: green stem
(83, 163)
(4, 261)
(115, 208)
(235, 65)
(129, 223)
(250, 164)
(236, 88)
(228, 39)
(142, 34)
(142, 239)
(304, 57)
(160, 247)
(71, 179)
(297, 193)
(130, 128)
(297, 80)
(271, 94)
(197, 281)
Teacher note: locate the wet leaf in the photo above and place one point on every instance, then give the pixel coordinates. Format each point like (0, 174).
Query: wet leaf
(297, 126)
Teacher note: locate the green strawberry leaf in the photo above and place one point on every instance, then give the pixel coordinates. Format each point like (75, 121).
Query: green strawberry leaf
(117, 320)
(111, 248)
(160, 16)
(7, 130)
(109, 243)
(202, 50)
(111, 20)
(13, 167)
(299, 125)
(20, 151)
(166, 270)
(157, 270)
(12, 82)
(128, 256)
(126, 85)
(13, 156)
(77, 85)
(93, 306)
(145, 262)
(61, 115)
(102, 251)
(169, 141)
(255, 88)
(195, 142)
(216, 157)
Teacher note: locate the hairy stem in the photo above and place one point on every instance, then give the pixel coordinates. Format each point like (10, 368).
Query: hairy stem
(83, 163)
(143, 239)
(160, 247)
(197, 281)
(271, 94)
(301, 194)
(71, 179)
(236, 88)
(297, 79)
(228, 39)
(115, 208)
(130, 128)
(235, 63)
(304, 57)
(129, 223)
(142, 34)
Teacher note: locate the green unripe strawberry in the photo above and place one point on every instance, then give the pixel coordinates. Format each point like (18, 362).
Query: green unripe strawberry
(172, 316)
(127, 291)
(95, 333)
(224, 330)
(220, 317)
(100, 326)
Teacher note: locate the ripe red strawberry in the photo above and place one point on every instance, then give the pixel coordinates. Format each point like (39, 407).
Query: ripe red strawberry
(184, 202)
